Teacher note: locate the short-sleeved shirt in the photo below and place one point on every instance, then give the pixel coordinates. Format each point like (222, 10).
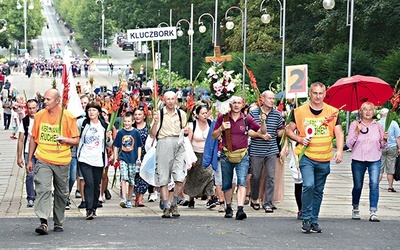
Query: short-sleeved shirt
(393, 132)
(260, 147)
(45, 130)
(238, 130)
(171, 124)
(128, 142)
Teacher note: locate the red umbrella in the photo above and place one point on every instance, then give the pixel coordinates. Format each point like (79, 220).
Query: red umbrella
(355, 90)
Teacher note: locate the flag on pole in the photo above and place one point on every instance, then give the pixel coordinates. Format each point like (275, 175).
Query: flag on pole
(74, 103)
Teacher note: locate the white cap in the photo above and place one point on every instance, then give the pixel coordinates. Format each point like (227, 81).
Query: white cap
(384, 111)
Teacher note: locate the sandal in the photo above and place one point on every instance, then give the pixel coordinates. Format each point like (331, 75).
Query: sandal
(391, 190)
(247, 200)
(255, 206)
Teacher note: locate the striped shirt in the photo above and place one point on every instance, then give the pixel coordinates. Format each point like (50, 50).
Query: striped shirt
(263, 148)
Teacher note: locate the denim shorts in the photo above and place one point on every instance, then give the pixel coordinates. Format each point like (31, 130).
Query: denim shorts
(128, 171)
(227, 169)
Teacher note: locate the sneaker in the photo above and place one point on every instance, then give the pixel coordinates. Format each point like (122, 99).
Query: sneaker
(30, 203)
(228, 212)
(78, 194)
(174, 211)
(82, 205)
(240, 215)
(68, 205)
(315, 228)
(101, 199)
(89, 215)
(356, 214)
(221, 208)
(122, 203)
(300, 215)
(99, 204)
(42, 229)
(210, 204)
(191, 204)
(306, 227)
(107, 194)
(273, 207)
(152, 197)
(373, 218)
(182, 201)
(58, 228)
(268, 209)
(13, 137)
(129, 204)
(166, 213)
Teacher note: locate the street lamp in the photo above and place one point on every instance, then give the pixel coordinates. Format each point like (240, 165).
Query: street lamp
(4, 26)
(229, 25)
(31, 6)
(190, 32)
(266, 18)
(102, 24)
(330, 4)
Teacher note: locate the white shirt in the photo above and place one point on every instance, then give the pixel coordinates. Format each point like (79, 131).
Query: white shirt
(92, 148)
(22, 130)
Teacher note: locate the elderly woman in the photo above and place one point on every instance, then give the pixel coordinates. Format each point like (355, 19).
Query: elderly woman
(92, 155)
(366, 139)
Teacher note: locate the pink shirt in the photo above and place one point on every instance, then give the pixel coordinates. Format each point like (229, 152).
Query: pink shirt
(366, 147)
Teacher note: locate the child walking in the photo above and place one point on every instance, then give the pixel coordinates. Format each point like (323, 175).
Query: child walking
(128, 150)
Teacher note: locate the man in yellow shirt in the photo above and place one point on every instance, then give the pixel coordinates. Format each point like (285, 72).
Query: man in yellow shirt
(51, 144)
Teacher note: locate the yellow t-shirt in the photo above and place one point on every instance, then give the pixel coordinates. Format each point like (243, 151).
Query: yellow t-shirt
(46, 129)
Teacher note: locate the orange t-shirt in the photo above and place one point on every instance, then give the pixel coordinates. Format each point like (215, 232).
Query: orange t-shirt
(46, 129)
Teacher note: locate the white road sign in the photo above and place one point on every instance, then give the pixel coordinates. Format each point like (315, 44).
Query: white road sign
(151, 34)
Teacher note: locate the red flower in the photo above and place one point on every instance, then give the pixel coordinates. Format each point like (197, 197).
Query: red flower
(117, 101)
(145, 107)
(66, 88)
(190, 103)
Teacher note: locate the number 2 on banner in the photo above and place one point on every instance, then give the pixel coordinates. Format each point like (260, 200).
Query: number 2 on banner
(296, 81)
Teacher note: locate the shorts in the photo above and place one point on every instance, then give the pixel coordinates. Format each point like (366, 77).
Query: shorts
(228, 168)
(218, 176)
(388, 160)
(127, 172)
(170, 161)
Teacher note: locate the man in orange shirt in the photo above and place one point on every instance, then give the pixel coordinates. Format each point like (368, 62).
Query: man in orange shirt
(51, 144)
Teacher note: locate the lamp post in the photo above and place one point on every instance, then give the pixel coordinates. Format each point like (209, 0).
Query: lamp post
(229, 25)
(214, 18)
(4, 28)
(158, 49)
(328, 5)
(102, 23)
(266, 18)
(190, 33)
(31, 6)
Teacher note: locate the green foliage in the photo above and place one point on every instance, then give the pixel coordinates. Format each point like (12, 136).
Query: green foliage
(15, 22)
(389, 68)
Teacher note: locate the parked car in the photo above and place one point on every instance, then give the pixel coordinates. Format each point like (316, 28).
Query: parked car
(119, 38)
(121, 42)
(127, 46)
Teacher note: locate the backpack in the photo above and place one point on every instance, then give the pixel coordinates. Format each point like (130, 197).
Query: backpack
(194, 124)
(25, 123)
(162, 117)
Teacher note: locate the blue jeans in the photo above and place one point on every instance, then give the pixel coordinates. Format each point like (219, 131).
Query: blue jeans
(30, 189)
(242, 168)
(358, 169)
(72, 173)
(314, 177)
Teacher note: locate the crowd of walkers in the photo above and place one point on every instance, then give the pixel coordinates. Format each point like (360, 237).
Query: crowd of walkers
(238, 154)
